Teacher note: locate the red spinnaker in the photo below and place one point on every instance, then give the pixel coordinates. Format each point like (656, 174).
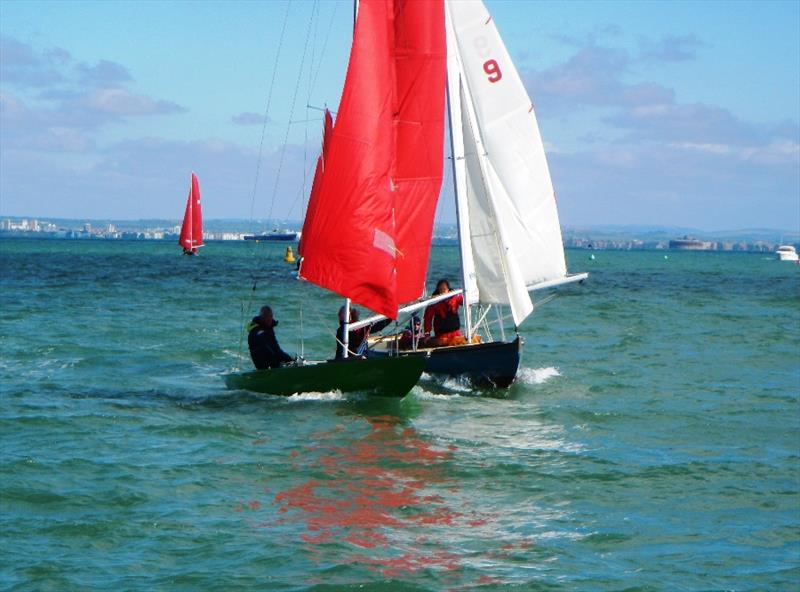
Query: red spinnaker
(313, 199)
(420, 62)
(348, 244)
(192, 228)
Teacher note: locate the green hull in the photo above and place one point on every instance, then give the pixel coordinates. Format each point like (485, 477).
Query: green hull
(389, 377)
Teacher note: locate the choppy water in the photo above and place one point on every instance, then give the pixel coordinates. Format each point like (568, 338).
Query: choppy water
(652, 441)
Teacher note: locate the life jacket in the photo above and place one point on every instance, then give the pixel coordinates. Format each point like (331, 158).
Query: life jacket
(444, 316)
(448, 323)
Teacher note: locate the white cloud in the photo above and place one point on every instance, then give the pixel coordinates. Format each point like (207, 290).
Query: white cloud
(53, 103)
(123, 103)
(709, 148)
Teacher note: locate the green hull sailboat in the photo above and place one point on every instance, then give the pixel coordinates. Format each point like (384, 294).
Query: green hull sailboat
(390, 377)
(367, 229)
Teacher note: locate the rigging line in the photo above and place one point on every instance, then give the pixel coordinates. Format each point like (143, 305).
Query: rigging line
(302, 339)
(312, 81)
(241, 336)
(324, 47)
(291, 116)
(246, 309)
(297, 198)
(306, 121)
(266, 113)
(323, 109)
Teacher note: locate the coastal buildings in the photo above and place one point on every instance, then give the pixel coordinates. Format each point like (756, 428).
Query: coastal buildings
(235, 230)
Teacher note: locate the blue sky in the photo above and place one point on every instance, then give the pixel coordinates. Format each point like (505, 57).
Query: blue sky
(656, 113)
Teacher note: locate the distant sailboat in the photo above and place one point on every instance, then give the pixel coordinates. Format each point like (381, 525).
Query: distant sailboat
(191, 237)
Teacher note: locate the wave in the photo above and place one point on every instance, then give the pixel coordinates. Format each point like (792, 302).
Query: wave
(314, 396)
(420, 392)
(537, 375)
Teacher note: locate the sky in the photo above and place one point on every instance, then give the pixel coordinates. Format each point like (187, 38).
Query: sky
(658, 113)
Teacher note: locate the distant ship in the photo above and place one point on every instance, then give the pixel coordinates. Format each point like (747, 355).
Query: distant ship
(274, 235)
(690, 244)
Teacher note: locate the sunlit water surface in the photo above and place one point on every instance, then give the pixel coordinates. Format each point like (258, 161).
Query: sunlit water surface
(651, 441)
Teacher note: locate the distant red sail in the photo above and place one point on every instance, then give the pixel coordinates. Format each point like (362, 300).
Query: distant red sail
(420, 62)
(192, 229)
(349, 241)
(313, 199)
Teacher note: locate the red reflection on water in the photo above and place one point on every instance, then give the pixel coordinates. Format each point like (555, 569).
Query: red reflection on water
(408, 562)
(372, 490)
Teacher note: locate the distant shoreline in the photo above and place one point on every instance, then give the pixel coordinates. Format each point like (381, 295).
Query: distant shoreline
(605, 237)
(573, 243)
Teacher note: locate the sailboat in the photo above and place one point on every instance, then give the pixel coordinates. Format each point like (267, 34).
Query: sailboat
(380, 168)
(509, 232)
(191, 238)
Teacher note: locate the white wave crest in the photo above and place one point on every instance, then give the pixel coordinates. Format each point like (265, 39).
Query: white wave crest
(420, 393)
(537, 375)
(458, 384)
(327, 396)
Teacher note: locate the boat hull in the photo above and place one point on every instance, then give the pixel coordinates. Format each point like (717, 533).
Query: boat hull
(386, 377)
(487, 365)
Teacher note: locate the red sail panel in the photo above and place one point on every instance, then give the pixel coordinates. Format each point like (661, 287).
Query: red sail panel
(349, 243)
(192, 227)
(197, 214)
(420, 61)
(313, 199)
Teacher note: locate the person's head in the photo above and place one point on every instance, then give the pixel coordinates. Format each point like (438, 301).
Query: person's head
(442, 287)
(265, 316)
(354, 315)
(414, 323)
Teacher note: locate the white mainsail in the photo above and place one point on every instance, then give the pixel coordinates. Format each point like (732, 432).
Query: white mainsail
(508, 221)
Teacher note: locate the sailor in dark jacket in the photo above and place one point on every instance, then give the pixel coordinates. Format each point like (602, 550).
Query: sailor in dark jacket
(264, 348)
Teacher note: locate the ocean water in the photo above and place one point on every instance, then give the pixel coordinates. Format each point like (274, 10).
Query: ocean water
(651, 442)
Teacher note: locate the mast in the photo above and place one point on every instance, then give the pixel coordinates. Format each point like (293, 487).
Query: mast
(454, 114)
(461, 210)
(346, 329)
(190, 216)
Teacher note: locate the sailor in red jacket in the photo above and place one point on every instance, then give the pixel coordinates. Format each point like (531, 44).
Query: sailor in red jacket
(443, 317)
